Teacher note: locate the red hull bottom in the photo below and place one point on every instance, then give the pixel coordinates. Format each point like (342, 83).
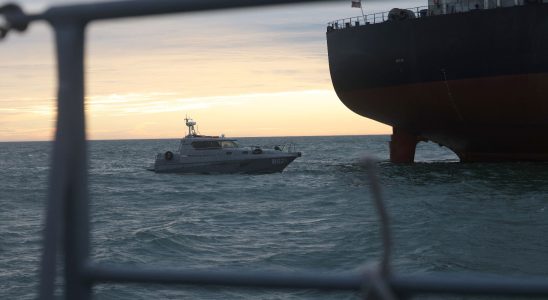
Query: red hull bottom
(487, 119)
(402, 147)
(513, 148)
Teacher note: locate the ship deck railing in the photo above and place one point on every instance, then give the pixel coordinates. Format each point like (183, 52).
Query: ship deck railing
(423, 12)
(67, 225)
(373, 18)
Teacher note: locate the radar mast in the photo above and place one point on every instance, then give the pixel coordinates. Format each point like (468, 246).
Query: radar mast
(190, 124)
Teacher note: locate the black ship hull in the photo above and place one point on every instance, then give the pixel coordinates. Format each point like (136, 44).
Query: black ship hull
(476, 82)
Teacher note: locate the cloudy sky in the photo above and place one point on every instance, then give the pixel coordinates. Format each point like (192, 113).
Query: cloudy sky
(250, 72)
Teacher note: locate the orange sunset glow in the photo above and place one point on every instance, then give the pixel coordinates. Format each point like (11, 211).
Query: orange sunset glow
(248, 72)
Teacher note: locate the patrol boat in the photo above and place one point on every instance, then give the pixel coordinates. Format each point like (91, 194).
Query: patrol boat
(217, 154)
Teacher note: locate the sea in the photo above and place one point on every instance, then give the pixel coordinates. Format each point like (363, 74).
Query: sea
(317, 215)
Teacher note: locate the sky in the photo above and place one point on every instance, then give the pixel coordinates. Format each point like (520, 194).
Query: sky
(248, 72)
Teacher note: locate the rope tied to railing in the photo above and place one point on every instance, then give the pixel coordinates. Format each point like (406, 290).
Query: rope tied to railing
(13, 17)
(375, 281)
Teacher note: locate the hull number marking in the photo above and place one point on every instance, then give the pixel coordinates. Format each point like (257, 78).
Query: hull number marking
(278, 161)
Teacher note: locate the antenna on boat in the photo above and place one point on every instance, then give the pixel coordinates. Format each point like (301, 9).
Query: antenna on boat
(190, 124)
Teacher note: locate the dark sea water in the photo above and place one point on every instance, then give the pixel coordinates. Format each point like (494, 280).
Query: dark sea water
(316, 215)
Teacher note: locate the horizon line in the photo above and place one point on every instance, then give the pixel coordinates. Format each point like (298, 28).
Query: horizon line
(235, 137)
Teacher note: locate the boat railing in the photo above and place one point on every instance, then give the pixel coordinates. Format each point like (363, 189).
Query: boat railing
(67, 225)
(423, 11)
(288, 147)
(368, 19)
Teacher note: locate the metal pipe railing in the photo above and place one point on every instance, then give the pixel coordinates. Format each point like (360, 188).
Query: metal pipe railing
(403, 285)
(419, 12)
(67, 215)
(373, 18)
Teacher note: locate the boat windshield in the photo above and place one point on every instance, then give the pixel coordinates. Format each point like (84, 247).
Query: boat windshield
(229, 144)
(199, 145)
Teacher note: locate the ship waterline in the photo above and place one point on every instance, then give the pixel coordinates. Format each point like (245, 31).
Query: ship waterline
(480, 90)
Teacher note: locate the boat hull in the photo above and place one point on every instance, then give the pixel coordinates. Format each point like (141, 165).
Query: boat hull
(259, 165)
(475, 82)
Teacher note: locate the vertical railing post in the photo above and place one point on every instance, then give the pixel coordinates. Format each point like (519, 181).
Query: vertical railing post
(71, 118)
(68, 216)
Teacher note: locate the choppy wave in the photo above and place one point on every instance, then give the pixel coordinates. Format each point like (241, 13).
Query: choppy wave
(316, 215)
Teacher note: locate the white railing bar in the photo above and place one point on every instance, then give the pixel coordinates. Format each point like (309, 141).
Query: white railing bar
(87, 12)
(67, 216)
(68, 177)
(409, 285)
(236, 278)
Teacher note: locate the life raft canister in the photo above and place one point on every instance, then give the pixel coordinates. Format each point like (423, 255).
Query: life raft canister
(168, 155)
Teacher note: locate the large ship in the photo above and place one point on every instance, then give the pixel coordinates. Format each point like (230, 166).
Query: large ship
(468, 75)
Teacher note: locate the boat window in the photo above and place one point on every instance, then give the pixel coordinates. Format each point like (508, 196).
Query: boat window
(201, 145)
(229, 144)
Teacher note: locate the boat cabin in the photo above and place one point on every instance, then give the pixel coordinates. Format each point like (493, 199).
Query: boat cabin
(199, 145)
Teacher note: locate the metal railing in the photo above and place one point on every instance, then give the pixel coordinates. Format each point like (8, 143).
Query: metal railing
(370, 18)
(424, 11)
(67, 215)
(288, 147)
